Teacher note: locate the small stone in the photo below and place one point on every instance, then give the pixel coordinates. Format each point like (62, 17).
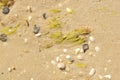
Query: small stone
(108, 77)
(85, 47)
(5, 10)
(10, 69)
(70, 59)
(81, 50)
(36, 29)
(77, 50)
(92, 72)
(29, 18)
(61, 66)
(3, 37)
(97, 49)
(80, 57)
(91, 38)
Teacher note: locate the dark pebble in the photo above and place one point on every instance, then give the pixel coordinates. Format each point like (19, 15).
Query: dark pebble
(36, 29)
(5, 10)
(85, 47)
(3, 37)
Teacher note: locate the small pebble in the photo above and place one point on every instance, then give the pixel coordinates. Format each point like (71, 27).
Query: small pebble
(81, 50)
(69, 58)
(92, 72)
(29, 18)
(85, 47)
(91, 38)
(69, 10)
(10, 69)
(36, 29)
(97, 49)
(77, 50)
(80, 57)
(108, 77)
(3, 37)
(5, 10)
(61, 66)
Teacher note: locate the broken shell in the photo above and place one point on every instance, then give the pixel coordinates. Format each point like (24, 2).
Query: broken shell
(77, 51)
(92, 72)
(38, 34)
(80, 57)
(85, 47)
(108, 77)
(69, 58)
(97, 49)
(58, 59)
(61, 66)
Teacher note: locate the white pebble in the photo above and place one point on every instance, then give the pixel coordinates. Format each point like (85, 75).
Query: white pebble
(69, 10)
(61, 66)
(64, 50)
(77, 50)
(91, 38)
(29, 18)
(9, 69)
(80, 57)
(97, 49)
(108, 77)
(38, 34)
(92, 72)
(68, 57)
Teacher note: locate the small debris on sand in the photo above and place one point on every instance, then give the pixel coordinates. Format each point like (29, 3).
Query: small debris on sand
(61, 66)
(5, 10)
(92, 72)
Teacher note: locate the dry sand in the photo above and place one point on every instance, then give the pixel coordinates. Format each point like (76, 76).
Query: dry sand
(103, 17)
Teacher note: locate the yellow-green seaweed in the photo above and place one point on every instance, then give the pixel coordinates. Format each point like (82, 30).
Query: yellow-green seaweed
(55, 10)
(9, 30)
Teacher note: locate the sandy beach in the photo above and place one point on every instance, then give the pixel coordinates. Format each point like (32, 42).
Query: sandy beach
(27, 54)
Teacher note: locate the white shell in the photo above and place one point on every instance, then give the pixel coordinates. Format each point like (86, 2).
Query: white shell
(92, 72)
(29, 18)
(91, 38)
(61, 65)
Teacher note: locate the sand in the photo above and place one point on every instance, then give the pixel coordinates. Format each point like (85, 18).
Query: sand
(31, 64)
